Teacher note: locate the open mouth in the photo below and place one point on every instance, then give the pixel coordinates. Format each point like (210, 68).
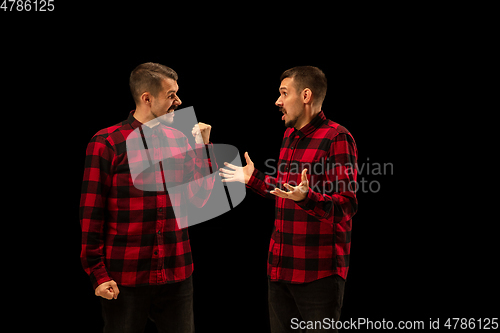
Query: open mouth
(284, 113)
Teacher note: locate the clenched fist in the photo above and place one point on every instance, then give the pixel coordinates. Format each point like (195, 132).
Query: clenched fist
(108, 290)
(201, 133)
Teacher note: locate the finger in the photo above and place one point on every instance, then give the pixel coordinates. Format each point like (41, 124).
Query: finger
(304, 182)
(289, 187)
(304, 175)
(116, 291)
(204, 126)
(247, 158)
(228, 180)
(279, 193)
(227, 172)
(112, 291)
(229, 165)
(100, 291)
(105, 294)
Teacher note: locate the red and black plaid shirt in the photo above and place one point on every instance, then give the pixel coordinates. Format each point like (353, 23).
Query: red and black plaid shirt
(311, 239)
(130, 235)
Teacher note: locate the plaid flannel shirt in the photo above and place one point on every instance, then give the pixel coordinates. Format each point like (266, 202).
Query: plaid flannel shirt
(130, 235)
(311, 238)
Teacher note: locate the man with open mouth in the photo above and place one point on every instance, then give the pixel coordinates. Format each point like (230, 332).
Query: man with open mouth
(136, 253)
(314, 205)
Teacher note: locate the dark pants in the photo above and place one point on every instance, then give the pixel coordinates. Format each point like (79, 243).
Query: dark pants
(293, 305)
(170, 306)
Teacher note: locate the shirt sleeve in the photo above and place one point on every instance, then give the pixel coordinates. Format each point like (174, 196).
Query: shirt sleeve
(262, 184)
(95, 186)
(199, 173)
(338, 200)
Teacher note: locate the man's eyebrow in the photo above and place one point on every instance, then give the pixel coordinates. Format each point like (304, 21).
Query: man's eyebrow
(282, 88)
(170, 91)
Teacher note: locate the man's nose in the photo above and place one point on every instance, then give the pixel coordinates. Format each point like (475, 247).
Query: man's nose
(278, 102)
(179, 102)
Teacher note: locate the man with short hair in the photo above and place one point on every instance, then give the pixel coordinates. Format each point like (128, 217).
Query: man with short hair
(136, 252)
(315, 200)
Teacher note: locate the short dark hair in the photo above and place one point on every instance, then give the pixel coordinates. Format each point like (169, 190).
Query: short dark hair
(149, 77)
(308, 77)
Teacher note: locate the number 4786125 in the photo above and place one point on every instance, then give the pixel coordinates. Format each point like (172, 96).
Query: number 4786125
(27, 5)
(472, 323)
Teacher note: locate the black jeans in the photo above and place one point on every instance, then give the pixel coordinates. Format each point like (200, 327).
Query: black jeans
(169, 306)
(294, 306)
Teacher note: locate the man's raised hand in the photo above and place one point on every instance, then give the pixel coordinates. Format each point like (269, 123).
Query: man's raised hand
(201, 133)
(237, 174)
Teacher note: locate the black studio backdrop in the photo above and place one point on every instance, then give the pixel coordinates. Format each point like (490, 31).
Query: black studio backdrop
(411, 257)
(401, 268)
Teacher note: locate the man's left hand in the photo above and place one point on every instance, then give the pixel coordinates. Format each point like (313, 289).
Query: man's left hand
(201, 133)
(296, 193)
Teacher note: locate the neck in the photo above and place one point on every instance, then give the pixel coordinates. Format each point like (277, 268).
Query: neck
(143, 114)
(309, 113)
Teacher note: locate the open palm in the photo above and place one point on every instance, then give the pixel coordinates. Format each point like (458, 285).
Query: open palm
(236, 173)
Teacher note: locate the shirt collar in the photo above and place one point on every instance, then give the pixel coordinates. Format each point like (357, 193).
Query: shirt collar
(312, 125)
(148, 131)
(134, 123)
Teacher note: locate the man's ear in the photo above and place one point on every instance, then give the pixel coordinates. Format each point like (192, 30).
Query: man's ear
(307, 96)
(146, 98)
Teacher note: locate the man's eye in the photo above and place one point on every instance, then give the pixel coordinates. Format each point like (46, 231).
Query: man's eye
(285, 93)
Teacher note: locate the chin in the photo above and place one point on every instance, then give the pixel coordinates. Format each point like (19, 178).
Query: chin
(290, 123)
(167, 119)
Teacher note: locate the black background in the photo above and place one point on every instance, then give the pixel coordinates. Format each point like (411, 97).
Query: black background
(419, 248)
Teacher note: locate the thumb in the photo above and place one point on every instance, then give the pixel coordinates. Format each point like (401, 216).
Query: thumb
(304, 177)
(115, 289)
(247, 158)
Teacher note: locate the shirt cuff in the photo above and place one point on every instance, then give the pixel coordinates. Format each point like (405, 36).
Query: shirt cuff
(254, 179)
(309, 202)
(200, 150)
(98, 277)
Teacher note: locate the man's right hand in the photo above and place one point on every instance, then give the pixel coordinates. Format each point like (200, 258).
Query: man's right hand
(108, 290)
(237, 174)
